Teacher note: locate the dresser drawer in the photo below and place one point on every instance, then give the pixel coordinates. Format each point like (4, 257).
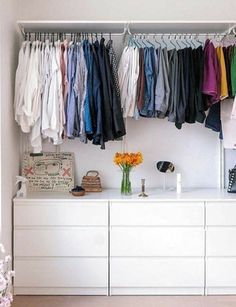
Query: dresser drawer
(157, 272)
(221, 213)
(157, 213)
(61, 242)
(157, 241)
(221, 272)
(64, 272)
(221, 241)
(61, 214)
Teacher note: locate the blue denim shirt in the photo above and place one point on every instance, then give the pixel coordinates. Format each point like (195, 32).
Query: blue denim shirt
(149, 99)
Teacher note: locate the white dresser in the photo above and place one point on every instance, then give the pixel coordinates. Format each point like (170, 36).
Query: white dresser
(157, 247)
(105, 244)
(60, 246)
(221, 247)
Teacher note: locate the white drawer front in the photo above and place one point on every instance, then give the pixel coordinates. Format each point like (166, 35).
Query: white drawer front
(221, 241)
(157, 272)
(157, 241)
(66, 214)
(71, 241)
(66, 272)
(221, 272)
(221, 213)
(159, 213)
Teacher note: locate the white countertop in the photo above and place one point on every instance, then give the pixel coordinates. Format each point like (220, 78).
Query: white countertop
(194, 194)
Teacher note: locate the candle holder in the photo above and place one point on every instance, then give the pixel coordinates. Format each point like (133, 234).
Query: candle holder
(143, 194)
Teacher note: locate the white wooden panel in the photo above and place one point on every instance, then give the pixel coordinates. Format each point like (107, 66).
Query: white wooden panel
(157, 241)
(157, 213)
(71, 241)
(221, 272)
(221, 213)
(221, 241)
(44, 214)
(157, 272)
(68, 273)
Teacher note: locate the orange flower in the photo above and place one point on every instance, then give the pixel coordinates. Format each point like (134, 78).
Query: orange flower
(128, 160)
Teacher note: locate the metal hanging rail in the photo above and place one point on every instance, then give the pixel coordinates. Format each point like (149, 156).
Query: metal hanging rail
(120, 28)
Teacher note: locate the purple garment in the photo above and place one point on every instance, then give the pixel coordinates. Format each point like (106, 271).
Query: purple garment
(211, 77)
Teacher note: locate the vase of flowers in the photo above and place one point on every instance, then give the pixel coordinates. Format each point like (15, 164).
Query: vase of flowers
(127, 161)
(5, 279)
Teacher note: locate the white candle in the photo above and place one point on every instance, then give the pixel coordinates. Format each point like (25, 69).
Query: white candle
(178, 183)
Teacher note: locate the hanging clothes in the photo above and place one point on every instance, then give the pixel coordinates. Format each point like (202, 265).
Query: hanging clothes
(76, 89)
(199, 98)
(140, 81)
(162, 88)
(128, 73)
(149, 99)
(233, 71)
(112, 74)
(68, 90)
(211, 77)
(223, 77)
(181, 101)
(174, 84)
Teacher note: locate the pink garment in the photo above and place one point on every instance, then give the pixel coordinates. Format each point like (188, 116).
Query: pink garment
(211, 77)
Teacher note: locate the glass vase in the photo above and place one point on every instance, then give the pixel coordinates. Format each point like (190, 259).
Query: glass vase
(126, 184)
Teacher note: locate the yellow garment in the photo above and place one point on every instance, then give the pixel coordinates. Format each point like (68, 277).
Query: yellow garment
(223, 80)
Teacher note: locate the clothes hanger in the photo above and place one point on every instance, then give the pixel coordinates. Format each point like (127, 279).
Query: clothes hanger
(171, 42)
(188, 41)
(198, 40)
(192, 42)
(176, 40)
(142, 37)
(163, 41)
(155, 40)
(182, 41)
(136, 41)
(148, 41)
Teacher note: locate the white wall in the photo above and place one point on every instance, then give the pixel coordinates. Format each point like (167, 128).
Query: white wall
(194, 151)
(9, 131)
(128, 10)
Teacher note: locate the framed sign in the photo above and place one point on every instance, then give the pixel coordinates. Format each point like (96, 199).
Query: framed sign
(49, 171)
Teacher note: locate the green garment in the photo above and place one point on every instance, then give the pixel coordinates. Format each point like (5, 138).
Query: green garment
(233, 71)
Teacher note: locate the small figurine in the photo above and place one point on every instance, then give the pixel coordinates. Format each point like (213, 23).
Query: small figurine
(143, 194)
(23, 191)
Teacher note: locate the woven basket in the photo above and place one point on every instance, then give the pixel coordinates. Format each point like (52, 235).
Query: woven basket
(91, 182)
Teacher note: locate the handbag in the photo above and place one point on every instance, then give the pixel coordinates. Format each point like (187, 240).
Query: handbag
(232, 180)
(91, 182)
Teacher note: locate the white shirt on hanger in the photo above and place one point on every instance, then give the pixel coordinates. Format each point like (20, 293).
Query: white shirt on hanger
(46, 84)
(31, 94)
(53, 104)
(128, 71)
(20, 83)
(35, 137)
(228, 124)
